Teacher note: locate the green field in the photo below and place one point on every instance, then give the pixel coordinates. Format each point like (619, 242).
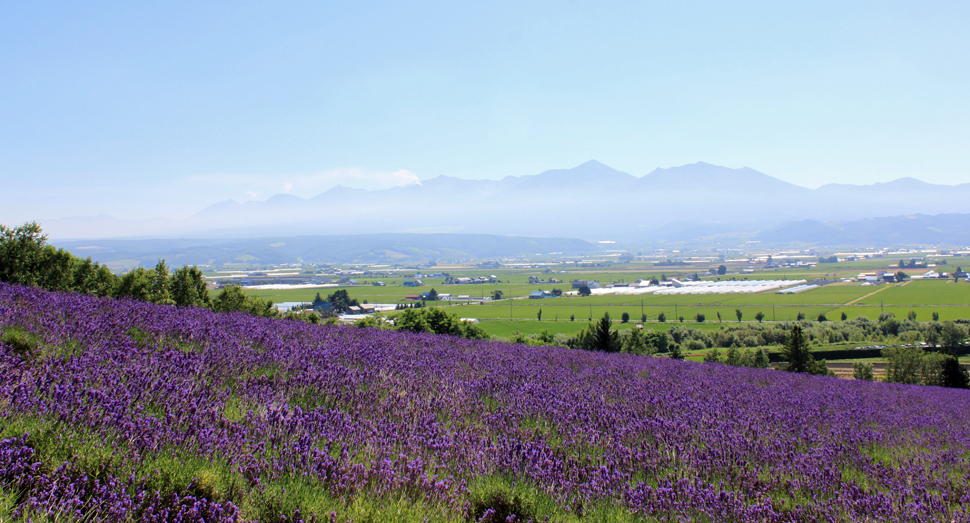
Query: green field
(506, 317)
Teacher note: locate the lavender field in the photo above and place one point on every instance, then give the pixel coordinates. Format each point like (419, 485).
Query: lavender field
(125, 411)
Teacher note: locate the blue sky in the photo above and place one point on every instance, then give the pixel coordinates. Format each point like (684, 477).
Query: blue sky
(143, 109)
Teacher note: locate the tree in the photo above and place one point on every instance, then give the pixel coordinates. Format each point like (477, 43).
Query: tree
(676, 353)
(340, 300)
(900, 276)
(796, 352)
(437, 320)
(539, 315)
(721, 270)
(584, 290)
(643, 318)
(137, 284)
(21, 251)
(699, 317)
(496, 295)
(719, 316)
(902, 264)
(760, 316)
(952, 337)
(904, 364)
(863, 371)
(662, 318)
(158, 288)
(572, 317)
(599, 337)
(844, 316)
(911, 315)
(188, 288)
(737, 312)
(432, 295)
(625, 317)
(936, 316)
(801, 316)
(636, 343)
(822, 318)
(556, 292)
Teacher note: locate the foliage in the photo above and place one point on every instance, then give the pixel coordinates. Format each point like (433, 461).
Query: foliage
(599, 337)
(863, 371)
(798, 356)
(584, 290)
(437, 321)
(232, 299)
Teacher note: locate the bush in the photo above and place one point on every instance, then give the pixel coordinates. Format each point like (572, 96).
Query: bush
(625, 317)
(693, 345)
(699, 317)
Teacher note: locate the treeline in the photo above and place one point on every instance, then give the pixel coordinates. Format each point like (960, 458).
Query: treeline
(27, 259)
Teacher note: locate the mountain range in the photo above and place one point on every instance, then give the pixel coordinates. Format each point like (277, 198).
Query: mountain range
(694, 202)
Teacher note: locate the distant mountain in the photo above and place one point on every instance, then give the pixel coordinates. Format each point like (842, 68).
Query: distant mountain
(591, 201)
(950, 229)
(368, 248)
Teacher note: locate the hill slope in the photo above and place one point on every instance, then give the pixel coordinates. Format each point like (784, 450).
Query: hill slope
(182, 413)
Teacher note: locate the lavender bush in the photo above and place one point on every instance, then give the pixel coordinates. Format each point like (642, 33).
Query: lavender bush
(116, 410)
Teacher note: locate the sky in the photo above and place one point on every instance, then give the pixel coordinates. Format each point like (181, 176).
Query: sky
(158, 109)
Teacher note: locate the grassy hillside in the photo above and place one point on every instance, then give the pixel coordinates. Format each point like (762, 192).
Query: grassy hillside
(126, 411)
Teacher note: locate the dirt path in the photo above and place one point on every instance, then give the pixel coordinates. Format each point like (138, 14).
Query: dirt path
(857, 300)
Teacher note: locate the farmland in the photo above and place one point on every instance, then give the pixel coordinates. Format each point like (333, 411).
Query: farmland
(124, 410)
(949, 300)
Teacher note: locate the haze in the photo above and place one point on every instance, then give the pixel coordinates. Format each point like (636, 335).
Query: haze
(160, 110)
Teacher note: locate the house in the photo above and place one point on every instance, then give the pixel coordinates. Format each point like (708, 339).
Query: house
(413, 283)
(378, 284)
(413, 297)
(538, 295)
(534, 279)
(578, 283)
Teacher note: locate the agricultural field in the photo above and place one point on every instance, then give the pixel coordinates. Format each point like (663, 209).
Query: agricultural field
(120, 410)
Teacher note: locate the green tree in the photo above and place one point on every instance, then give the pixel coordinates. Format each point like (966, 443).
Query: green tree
(340, 300)
(572, 317)
(136, 283)
(636, 343)
(437, 321)
(188, 288)
(625, 317)
(719, 316)
(699, 318)
(584, 290)
(721, 270)
(801, 316)
(760, 316)
(863, 371)
(21, 253)
(737, 312)
(844, 316)
(822, 318)
(158, 287)
(952, 337)
(676, 353)
(539, 315)
(662, 318)
(796, 352)
(432, 295)
(936, 316)
(496, 295)
(904, 364)
(600, 337)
